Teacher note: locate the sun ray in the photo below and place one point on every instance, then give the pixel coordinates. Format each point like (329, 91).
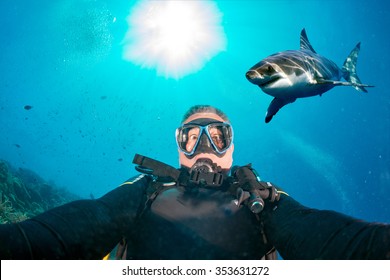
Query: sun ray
(176, 38)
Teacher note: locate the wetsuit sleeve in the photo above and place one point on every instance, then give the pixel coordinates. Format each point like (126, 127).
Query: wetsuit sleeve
(82, 229)
(299, 232)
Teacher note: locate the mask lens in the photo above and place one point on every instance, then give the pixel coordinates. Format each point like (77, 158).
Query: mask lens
(220, 135)
(187, 138)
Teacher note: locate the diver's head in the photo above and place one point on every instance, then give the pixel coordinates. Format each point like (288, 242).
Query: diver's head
(205, 139)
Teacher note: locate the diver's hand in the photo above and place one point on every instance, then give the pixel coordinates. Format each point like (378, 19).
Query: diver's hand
(251, 190)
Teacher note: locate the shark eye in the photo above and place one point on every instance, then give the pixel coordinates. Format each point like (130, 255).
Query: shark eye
(269, 68)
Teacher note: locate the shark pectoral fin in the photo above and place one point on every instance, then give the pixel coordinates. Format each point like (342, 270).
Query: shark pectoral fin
(275, 106)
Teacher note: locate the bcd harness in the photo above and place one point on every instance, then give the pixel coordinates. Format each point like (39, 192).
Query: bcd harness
(244, 182)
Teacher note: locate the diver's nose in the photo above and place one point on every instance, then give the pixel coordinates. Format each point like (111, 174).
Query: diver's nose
(251, 75)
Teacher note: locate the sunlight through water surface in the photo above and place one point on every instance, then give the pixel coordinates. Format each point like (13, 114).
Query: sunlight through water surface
(176, 38)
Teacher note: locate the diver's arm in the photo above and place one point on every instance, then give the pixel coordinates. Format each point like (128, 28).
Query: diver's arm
(299, 232)
(83, 229)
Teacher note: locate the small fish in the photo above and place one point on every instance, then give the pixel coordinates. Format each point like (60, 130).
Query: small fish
(302, 73)
(28, 107)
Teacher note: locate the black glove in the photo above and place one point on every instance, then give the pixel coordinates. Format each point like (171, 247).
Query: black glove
(251, 190)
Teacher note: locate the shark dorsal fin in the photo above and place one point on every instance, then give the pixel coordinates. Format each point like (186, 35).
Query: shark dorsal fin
(305, 44)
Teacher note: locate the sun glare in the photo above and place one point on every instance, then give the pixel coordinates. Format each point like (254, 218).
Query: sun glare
(176, 38)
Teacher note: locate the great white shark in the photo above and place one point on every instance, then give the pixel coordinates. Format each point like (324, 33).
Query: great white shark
(293, 74)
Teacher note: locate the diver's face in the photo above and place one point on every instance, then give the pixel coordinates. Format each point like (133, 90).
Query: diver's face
(225, 161)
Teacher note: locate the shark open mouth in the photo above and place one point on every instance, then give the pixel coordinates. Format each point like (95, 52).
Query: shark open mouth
(269, 82)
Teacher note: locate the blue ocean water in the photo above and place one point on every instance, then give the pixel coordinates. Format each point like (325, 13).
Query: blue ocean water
(92, 110)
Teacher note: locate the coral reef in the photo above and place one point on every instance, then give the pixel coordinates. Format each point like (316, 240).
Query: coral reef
(24, 194)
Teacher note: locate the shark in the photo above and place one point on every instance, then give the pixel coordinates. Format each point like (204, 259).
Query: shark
(293, 74)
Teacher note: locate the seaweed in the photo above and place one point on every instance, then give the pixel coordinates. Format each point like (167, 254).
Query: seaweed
(24, 194)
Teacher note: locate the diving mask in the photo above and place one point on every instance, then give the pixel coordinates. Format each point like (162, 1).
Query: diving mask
(204, 136)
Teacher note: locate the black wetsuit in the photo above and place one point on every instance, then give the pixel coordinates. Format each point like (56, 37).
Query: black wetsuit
(193, 223)
(181, 223)
(299, 232)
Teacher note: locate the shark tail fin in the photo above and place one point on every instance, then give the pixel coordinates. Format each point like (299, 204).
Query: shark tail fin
(349, 70)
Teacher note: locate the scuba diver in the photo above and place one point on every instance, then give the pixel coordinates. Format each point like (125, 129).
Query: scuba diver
(206, 209)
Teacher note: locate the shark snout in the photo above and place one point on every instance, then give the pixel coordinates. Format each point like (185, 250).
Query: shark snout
(252, 76)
